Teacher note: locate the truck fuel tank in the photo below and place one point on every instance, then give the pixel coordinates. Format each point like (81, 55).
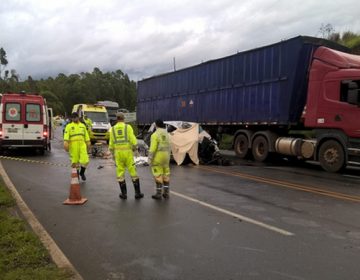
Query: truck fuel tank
(295, 147)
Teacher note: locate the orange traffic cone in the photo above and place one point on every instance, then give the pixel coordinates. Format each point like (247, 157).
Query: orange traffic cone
(75, 196)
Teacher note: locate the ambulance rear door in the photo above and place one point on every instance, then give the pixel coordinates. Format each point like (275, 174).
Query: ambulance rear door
(13, 126)
(33, 123)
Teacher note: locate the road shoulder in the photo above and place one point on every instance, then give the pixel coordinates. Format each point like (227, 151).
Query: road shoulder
(55, 252)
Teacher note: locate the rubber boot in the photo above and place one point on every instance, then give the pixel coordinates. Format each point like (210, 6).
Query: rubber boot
(82, 173)
(166, 191)
(123, 190)
(157, 195)
(138, 193)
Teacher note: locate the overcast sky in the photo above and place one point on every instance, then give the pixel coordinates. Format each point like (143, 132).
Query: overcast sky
(141, 37)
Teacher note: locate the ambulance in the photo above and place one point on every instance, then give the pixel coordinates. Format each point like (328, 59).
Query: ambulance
(25, 121)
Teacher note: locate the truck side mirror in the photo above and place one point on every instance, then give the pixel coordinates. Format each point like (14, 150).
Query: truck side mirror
(353, 96)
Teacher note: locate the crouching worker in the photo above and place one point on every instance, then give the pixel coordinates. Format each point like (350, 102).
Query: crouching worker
(77, 142)
(159, 159)
(122, 144)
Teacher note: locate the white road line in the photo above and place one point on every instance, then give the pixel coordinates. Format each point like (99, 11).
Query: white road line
(235, 215)
(55, 252)
(351, 176)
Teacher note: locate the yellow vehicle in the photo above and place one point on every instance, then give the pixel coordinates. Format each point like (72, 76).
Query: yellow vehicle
(99, 117)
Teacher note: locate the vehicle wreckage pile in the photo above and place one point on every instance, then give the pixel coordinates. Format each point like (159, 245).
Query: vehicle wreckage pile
(189, 144)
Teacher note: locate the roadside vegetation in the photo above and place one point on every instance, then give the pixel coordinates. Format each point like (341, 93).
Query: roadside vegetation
(22, 255)
(63, 91)
(226, 142)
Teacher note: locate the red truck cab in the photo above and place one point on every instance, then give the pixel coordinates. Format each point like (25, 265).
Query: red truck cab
(333, 107)
(24, 122)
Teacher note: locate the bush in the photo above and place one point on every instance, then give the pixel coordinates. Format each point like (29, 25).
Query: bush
(226, 142)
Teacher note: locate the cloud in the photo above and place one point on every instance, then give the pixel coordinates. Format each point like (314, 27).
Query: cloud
(44, 38)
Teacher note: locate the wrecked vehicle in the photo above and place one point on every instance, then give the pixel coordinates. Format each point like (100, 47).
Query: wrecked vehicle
(189, 143)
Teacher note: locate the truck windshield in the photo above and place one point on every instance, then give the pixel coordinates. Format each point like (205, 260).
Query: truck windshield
(97, 116)
(111, 111)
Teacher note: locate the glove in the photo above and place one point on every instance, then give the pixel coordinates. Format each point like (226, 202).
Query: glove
(149, 160)
(66, 146)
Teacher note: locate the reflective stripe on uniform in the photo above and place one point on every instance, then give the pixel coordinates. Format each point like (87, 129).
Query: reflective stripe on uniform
(122, 148)
(116, 141)
(73, 135)
(120, 179)
(76, 140)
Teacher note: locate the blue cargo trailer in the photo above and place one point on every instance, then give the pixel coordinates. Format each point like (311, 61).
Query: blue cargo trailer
(266, 85)
(299, 97)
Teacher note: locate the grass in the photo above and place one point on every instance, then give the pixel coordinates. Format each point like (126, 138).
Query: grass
(22, 255)
(226, 142)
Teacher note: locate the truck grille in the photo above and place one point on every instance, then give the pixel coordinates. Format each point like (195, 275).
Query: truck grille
(99, 130)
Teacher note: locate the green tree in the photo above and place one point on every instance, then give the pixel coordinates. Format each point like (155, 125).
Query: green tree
(31, 85)
(63, 91)
(349, 39)
(11, 81)
(326, 30)
(53, 102)
(3, 60)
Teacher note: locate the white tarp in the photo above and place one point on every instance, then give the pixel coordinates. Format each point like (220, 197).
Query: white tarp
(185, 141)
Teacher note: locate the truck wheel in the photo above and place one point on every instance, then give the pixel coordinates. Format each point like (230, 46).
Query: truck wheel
(260, 149)
(241, 146)
(331, 156)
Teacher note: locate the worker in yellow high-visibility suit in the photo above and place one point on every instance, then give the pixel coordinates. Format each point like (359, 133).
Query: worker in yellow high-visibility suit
(88, 124)
(77, 142)
(159, 159)
(122, 144)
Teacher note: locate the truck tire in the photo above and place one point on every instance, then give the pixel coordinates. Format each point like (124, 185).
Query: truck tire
(260, 148)
(332, 156)
(241, 146)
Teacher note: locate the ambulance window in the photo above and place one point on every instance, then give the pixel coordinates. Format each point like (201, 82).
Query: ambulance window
(32, 112)
(13, 112)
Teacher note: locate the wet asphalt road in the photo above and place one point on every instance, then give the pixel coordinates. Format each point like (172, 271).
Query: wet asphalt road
(181, 239)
